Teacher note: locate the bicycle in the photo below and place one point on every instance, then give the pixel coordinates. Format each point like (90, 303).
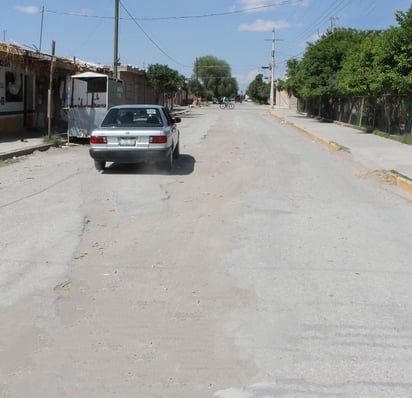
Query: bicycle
(227, 105)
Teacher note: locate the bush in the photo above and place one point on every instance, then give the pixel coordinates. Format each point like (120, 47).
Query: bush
(54, 139)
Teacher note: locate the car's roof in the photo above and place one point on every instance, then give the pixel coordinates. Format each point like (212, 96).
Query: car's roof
(137, 106)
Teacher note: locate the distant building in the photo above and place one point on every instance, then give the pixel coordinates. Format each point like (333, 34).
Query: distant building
(25, 81)
(283, 100)
(136, 87)
(24, 85)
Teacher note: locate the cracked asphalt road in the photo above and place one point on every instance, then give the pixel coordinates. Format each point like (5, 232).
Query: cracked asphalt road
(261, 266)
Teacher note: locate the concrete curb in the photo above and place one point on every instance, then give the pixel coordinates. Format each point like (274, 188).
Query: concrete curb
(331, 144)
(401, 181)
(24, 151)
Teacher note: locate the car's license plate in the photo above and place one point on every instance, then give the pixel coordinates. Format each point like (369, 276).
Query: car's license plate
(127, 141)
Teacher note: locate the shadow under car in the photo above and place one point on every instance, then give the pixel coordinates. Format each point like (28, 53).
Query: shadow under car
(183, 165)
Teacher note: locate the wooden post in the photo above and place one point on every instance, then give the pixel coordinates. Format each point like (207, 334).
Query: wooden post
(49, 94)
(361, 112)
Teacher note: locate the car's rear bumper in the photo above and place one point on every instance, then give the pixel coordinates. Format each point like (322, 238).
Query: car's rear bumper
(129, 155)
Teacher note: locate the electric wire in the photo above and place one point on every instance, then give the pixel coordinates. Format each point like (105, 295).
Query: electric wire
(150, 39)
(331, 9)
(313, 27)
(210, 15)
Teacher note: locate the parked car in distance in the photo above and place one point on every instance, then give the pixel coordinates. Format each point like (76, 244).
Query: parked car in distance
(134, 134)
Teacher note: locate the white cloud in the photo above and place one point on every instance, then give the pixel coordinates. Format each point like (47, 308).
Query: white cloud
(255, 3)
(86, 12)
(261, 25)
(254, 6)
(245, 79)
(266, 5)
(315, 37)
(28, 9)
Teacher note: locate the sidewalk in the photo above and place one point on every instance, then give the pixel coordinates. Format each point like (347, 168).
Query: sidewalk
(372, 151)
(16, 145)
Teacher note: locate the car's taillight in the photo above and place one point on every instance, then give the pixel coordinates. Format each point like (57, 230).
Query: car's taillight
(158, 139)
(98, 139)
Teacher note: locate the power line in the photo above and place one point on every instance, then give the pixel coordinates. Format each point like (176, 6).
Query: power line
(135, 19)
(218, 14)
(150, 39)
(322, 19)
(370, 8)
(210, 15)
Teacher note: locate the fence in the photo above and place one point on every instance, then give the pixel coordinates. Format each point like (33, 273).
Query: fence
(391, 114)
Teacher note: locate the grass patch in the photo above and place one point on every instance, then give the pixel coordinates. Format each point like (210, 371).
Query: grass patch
(404, 139)
(400, 175)
(54, 139)
(340, 147)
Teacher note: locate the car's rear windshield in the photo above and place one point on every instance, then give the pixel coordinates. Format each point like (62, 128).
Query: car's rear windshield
(133, 117)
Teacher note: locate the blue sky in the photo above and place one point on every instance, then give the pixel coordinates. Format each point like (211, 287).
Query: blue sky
(175, 32)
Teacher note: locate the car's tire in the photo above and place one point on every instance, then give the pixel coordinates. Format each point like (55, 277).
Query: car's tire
(100, 165)
(176, 151)
(168, 162)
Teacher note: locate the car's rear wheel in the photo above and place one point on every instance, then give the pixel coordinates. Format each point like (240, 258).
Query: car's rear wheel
(176, 151)
(168, 162)
(100, 164)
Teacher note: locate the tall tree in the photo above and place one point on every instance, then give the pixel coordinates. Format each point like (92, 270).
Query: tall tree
(319, 69)
(361, 67)
(348, 62)
(259, 90)
(396, 55)
(292, 84)
(213, 77)
(164, 80)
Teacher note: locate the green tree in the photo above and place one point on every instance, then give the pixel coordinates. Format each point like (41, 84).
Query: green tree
(319, 69)
(164, 80)
(395, 56)
(292, 84)
(259, 90)
(348, 62)
(195, 86)
(360, 70)
(212, 77)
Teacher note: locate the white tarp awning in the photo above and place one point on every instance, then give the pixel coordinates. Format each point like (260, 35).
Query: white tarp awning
(88, 76)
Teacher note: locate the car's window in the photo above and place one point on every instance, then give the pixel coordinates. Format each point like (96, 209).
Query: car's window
(168, 117)
(133, 117)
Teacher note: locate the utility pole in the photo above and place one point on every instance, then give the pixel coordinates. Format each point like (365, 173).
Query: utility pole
(272, 79)
(332, 23)
(197, 80)
(116, 38)
(49, 96)
(41, 27)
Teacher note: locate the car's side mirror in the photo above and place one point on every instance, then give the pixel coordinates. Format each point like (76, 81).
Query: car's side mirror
(176, 119)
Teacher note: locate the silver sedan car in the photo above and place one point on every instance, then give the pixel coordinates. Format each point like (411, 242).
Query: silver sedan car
(136, 133)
